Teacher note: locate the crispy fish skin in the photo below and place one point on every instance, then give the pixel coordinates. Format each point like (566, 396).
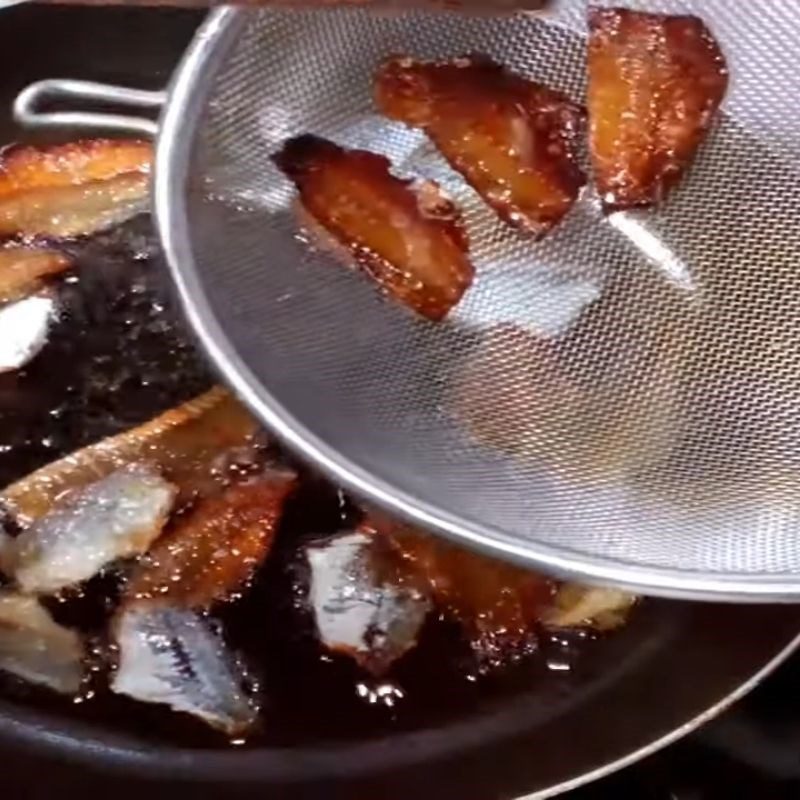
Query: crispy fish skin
(213, 552)
(408, 238)
(514, 140)
(24, 167)
(655, 84)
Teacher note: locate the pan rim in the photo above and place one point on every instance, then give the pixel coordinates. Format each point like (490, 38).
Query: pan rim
(72, 743)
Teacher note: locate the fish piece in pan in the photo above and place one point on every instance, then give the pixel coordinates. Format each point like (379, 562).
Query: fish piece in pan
(27, 305)
(22, 270)
(111, 500)
(170, 650)
(177, 657)
(497, 604)
(514, 140)
(500, 606)
(115, 517)
(366, 602)
(36, 648)
(211, 554)
(655, 84)
(76, 189)
(408, 237)
(190, 446)
(597, 607)
(24, 328)
(26, 167)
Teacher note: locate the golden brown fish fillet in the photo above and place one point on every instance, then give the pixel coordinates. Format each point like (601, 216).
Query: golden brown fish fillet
(514, 140)
(655, 83)
(187, 444)
(409, 238)
(497, 604)
(23, 168)
(212, 553)
(74, 189)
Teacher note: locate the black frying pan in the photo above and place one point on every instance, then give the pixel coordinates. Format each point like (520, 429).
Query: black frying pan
(671, 669)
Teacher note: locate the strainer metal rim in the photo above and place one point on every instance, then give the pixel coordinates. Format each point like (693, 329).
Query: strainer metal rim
(186, 98)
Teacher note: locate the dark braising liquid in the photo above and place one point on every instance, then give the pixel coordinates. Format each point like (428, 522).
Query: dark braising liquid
(116, 358)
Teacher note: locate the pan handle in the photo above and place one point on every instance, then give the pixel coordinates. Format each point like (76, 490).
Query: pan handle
(29, 102)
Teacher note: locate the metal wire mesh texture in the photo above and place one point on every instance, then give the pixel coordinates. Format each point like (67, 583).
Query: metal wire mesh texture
(620, 401)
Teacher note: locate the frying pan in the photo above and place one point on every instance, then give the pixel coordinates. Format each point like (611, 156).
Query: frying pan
(675, 666)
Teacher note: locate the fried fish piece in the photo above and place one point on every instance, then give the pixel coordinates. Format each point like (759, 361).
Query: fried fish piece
(407, 236)
(655, 84)
(24, 328)
(497, 604)
(74, 189)
(178, 658)
(212, 553)
(113, 518)
(189, 445)
(514, 140)
(367, 602)
(25, 168)
(34, 647)
(597, 607)
(22, 270)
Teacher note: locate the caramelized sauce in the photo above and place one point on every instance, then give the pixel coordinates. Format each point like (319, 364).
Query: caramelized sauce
(118, 357)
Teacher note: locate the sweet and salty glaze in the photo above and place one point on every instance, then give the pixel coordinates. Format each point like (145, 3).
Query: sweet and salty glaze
(408, 237)
(655, 84)
(497, 604)
(214, 551)
(514, 140)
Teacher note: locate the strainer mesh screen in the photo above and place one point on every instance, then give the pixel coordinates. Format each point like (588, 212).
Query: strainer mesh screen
(627, 389)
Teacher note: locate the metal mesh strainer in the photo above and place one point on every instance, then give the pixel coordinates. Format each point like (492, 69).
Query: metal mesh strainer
(620, 401)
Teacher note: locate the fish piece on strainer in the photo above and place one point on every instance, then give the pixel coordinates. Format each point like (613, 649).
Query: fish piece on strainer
(408, 237)
(514, 140)
(655, 84)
